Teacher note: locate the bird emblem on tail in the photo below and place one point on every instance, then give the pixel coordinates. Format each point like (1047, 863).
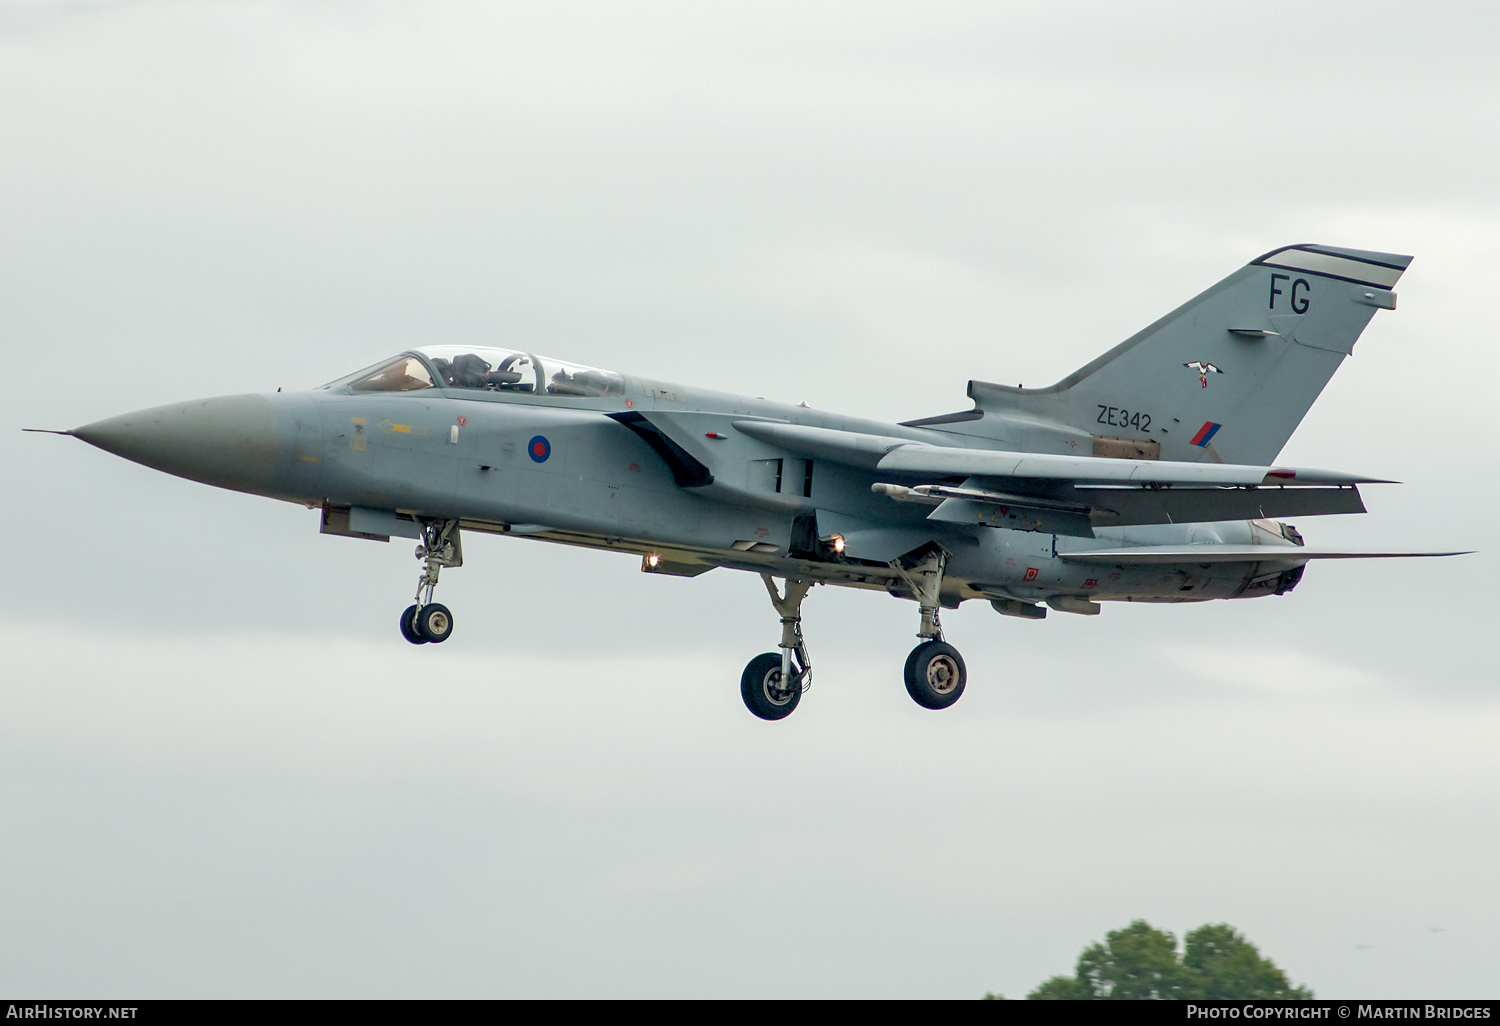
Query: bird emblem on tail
(1204, 369)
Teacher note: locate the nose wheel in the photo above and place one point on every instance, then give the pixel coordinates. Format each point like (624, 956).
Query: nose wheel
(423, 624)
(409, 626)
(426, 621)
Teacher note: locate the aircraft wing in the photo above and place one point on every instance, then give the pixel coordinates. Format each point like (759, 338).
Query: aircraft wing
(902, 455)
(1071, 495)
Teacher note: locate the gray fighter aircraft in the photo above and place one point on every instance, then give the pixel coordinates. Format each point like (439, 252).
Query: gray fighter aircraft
(1145, 476)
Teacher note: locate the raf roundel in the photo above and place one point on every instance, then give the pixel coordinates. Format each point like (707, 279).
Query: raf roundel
(539, 448)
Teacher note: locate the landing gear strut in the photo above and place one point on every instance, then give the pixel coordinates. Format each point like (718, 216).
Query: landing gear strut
(772, 683)
(426, 620)
(935, 672)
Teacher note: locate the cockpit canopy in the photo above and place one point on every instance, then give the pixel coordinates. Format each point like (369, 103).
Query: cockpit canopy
(483, 368)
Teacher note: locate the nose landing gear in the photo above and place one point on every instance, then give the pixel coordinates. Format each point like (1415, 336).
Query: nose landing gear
(428, 621)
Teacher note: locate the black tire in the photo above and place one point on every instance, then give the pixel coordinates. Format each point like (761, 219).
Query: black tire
(434, 622)
(760, 687)
(409, 626)
(935, 675)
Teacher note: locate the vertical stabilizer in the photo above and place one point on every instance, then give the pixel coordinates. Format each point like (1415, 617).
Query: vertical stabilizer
(1227, 376)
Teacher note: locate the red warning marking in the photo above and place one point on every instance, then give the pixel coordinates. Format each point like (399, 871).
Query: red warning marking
(1282, 473)
(1091, 582)
(630, 404)
(1031, 573)
(462, 421)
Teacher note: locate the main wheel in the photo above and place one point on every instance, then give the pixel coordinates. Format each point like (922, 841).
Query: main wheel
(935, 675)
(434, 622)
(760, 687)
(409, 626)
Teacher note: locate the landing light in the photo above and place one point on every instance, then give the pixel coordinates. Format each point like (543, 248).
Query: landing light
(653, 560)
(835, 541)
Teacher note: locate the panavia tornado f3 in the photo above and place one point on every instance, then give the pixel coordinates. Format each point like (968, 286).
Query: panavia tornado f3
(1146, 476)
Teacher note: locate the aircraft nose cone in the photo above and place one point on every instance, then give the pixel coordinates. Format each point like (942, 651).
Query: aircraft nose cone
(232, 442)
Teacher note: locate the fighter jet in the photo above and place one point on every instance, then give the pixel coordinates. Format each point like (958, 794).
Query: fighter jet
(1147, 475)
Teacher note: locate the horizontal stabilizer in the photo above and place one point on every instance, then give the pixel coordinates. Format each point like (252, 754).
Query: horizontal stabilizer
(1125, 507)
(1143, 554)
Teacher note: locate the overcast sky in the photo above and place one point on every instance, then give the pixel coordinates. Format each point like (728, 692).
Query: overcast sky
(223, 773)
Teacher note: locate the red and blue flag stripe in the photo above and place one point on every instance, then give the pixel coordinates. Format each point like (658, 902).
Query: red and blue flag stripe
(1205, 433)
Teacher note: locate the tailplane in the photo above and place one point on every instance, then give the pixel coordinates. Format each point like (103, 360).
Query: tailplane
(1225, 377)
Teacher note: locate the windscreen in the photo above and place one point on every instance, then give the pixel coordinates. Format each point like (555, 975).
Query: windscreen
(403, 374)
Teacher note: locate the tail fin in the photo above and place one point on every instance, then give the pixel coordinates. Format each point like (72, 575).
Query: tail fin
(1228, 376)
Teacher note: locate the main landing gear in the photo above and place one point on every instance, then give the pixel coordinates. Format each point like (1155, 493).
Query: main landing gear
(773, 682)
(426, 620)
(935, 672)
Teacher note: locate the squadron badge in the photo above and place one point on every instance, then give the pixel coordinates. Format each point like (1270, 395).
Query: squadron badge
(1204, 369)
